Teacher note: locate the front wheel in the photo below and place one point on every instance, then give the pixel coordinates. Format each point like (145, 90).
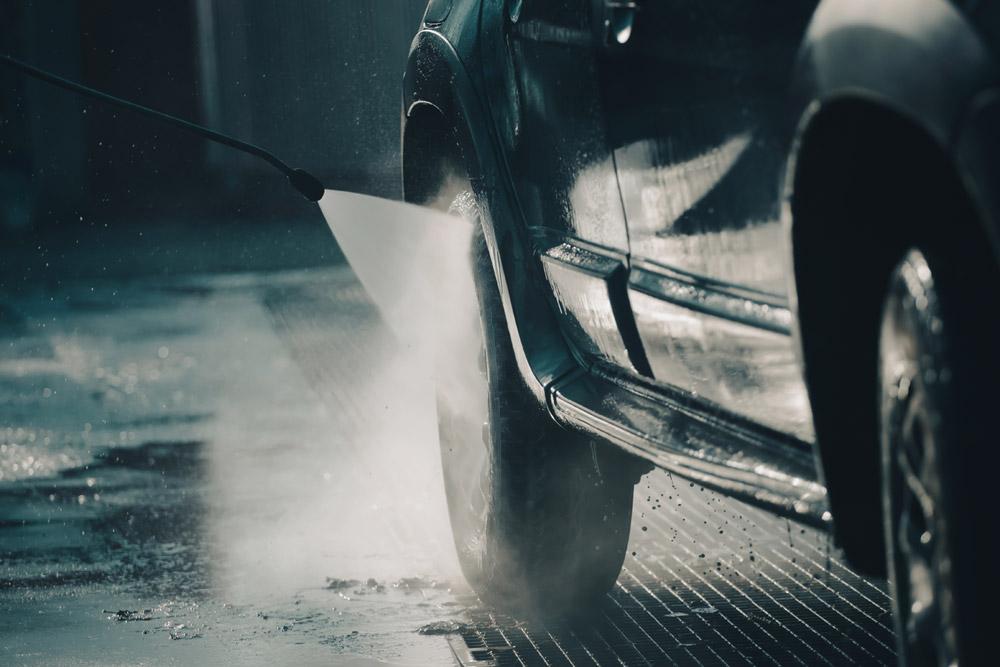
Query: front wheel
(937, 365)
(540, 515)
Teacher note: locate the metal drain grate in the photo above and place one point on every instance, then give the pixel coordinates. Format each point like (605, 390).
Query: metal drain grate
(709, 581)
(712, 580)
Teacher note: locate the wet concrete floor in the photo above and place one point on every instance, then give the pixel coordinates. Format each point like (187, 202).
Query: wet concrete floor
(242, 469)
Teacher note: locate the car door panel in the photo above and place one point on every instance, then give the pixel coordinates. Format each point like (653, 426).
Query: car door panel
(561, 158)
(693, 98)
(551, 120)
(725, 346)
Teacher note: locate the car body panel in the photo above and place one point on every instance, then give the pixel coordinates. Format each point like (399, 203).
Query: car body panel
(731, 350)
(921, 63)
(690, 269)
(584, 284)
(674, 432)
(556, 144)
(977, 149)
(920, 58)
(693, 99)
(437, 77)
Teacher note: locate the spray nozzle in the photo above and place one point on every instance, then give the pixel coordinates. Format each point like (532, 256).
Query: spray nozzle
(307, 184)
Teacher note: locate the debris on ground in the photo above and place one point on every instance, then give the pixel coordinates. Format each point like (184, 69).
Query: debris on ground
(448, 627)
(419, 584)
(125, 615)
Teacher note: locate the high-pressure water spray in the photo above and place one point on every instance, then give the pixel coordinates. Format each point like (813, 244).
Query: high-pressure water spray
(307, 184)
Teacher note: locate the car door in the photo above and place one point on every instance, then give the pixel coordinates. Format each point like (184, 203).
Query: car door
(545, 99)
(692, 90)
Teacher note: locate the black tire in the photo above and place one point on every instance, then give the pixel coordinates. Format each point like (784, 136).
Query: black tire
(938, 365)
(540, 515)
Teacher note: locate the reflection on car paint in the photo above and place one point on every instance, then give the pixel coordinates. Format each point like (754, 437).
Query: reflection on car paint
(595, 205)
(687, 214)
(753, 256)
(665, 191)
(580, 284)
(565, 173)
(745, 369)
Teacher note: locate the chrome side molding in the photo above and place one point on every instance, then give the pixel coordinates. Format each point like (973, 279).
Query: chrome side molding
(707, 446)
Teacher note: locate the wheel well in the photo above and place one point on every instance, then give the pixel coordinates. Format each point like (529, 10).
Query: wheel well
(434, 165)
(867, 184)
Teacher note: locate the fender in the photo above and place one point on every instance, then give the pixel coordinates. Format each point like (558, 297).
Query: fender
(921, 62)
(932, 68)
(436, 75)
(978, 151)
(920, 58)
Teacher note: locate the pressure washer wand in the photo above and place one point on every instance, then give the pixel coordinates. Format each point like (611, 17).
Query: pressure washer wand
(307, 184)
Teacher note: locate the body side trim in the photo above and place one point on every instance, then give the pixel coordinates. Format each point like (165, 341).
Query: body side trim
(762, 467)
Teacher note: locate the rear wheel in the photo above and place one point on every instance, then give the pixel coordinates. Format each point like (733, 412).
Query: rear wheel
(540, 515)
(937, 365)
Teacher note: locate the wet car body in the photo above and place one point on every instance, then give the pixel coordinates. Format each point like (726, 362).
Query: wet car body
(659, 182)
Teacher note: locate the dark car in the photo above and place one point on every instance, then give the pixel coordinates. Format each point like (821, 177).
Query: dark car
(753, 243)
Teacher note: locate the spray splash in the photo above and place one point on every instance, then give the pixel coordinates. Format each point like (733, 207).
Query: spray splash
(417, 266)
(414, 262)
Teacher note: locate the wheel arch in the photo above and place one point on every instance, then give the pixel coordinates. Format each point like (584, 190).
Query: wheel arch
(872, 162)
(446, 127)
(857, 162)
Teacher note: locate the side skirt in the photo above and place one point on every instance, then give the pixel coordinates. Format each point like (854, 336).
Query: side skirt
(701, 443)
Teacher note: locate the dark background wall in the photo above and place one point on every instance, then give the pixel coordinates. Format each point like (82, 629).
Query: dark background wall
(315, 81)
